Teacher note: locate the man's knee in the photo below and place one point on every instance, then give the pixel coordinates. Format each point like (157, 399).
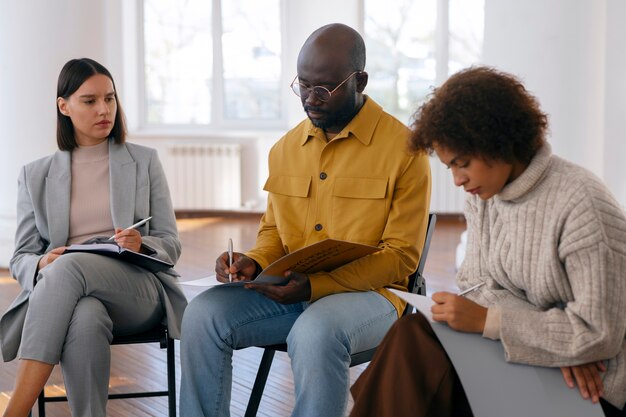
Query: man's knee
(312, 337)
(202, 309)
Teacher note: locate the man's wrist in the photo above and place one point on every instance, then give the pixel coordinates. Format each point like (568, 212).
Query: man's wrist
(258, 269)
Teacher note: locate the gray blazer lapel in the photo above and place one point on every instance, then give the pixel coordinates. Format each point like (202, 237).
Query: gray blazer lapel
(123, 176)
(58, 189)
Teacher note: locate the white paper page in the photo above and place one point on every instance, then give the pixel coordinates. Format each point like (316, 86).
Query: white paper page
(421, 302)
(211, 281)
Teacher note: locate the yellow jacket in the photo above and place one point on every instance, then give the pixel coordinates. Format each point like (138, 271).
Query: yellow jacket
(362, 186)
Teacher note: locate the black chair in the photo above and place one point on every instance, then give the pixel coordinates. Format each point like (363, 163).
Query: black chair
(157, 335)
(417, 285)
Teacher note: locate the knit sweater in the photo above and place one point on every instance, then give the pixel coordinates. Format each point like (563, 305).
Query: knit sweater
(551, 247)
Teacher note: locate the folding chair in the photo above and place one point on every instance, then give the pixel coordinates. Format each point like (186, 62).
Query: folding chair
(157, 335)
(417, 285)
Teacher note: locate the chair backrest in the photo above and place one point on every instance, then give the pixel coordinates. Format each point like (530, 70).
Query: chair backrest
(417, 283)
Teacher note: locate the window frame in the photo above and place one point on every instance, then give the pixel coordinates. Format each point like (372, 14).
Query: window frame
(138, 110)
(442, 38)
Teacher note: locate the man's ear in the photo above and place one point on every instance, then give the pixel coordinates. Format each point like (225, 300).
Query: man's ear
(361, 81)
(62, 105)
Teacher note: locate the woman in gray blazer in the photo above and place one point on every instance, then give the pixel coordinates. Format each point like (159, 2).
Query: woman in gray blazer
(73, 304)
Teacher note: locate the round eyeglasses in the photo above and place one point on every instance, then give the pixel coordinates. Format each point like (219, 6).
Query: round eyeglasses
(322, 93)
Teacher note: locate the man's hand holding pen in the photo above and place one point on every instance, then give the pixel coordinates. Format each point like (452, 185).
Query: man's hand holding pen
(242, 268)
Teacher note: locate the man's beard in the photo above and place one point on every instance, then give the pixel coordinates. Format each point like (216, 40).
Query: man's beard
(339, 118)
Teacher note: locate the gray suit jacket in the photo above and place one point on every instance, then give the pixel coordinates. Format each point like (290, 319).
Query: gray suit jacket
(138, 189)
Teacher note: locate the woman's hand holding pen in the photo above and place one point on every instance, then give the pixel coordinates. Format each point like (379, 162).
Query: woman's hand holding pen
(460, 313)
(242, 269)
(128, 239)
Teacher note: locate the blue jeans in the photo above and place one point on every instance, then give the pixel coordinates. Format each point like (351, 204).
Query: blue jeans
(320, 338)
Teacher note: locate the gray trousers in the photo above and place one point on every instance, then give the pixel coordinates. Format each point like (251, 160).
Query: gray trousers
(79, 302)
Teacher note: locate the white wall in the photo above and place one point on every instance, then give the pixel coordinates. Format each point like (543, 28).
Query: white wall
(571, 54)
(615, 99)
(36, 39)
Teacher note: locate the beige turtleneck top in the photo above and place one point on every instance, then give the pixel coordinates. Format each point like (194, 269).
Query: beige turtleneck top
(90, 203)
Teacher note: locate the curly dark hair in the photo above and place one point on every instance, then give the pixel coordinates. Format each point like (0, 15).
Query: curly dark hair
(483, 112)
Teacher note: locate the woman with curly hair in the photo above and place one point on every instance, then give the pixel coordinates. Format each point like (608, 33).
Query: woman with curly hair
(546, 238)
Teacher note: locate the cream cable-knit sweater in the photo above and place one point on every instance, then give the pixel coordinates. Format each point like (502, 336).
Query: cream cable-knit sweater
(552, 249)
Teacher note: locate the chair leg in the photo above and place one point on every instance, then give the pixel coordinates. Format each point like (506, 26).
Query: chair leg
(41, 404)
(259, 383)
(171, 378)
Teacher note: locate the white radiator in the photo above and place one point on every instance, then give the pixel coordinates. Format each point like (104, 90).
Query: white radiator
(205, 176)
(445, 196)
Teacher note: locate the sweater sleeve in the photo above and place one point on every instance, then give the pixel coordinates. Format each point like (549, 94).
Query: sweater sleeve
(591, 325)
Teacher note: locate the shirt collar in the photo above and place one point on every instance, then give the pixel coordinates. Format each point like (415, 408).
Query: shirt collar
(531, 176)
(361, 126)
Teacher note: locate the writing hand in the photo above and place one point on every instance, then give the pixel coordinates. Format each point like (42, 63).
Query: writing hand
(460, 313)
(588, 379)
(297, 289)
(128, 239)
(242, 269)
(50, 257)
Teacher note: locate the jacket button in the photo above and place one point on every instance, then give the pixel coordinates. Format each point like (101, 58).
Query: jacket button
(323, 176)
(318, 227)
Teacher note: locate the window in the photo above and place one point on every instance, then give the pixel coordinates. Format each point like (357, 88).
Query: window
(212, 63)
(415, 44)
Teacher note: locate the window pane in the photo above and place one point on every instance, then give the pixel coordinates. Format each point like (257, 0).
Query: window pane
(467, 24)
(400, 40)
(251, 46)
(178, 61)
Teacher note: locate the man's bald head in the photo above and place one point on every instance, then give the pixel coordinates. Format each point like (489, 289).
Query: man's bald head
(337, 42)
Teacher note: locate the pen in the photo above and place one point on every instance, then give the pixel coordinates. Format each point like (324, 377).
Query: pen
(134, 226)
(230, 258)
(470, 289)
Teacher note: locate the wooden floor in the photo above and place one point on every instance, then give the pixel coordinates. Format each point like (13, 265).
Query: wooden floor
(142, 367)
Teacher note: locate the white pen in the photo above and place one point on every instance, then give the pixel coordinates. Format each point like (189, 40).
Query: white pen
(230, 258)
(134, 226)
(470, 289)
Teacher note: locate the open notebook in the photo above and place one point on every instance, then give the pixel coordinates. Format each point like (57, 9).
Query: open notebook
(103, 246)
